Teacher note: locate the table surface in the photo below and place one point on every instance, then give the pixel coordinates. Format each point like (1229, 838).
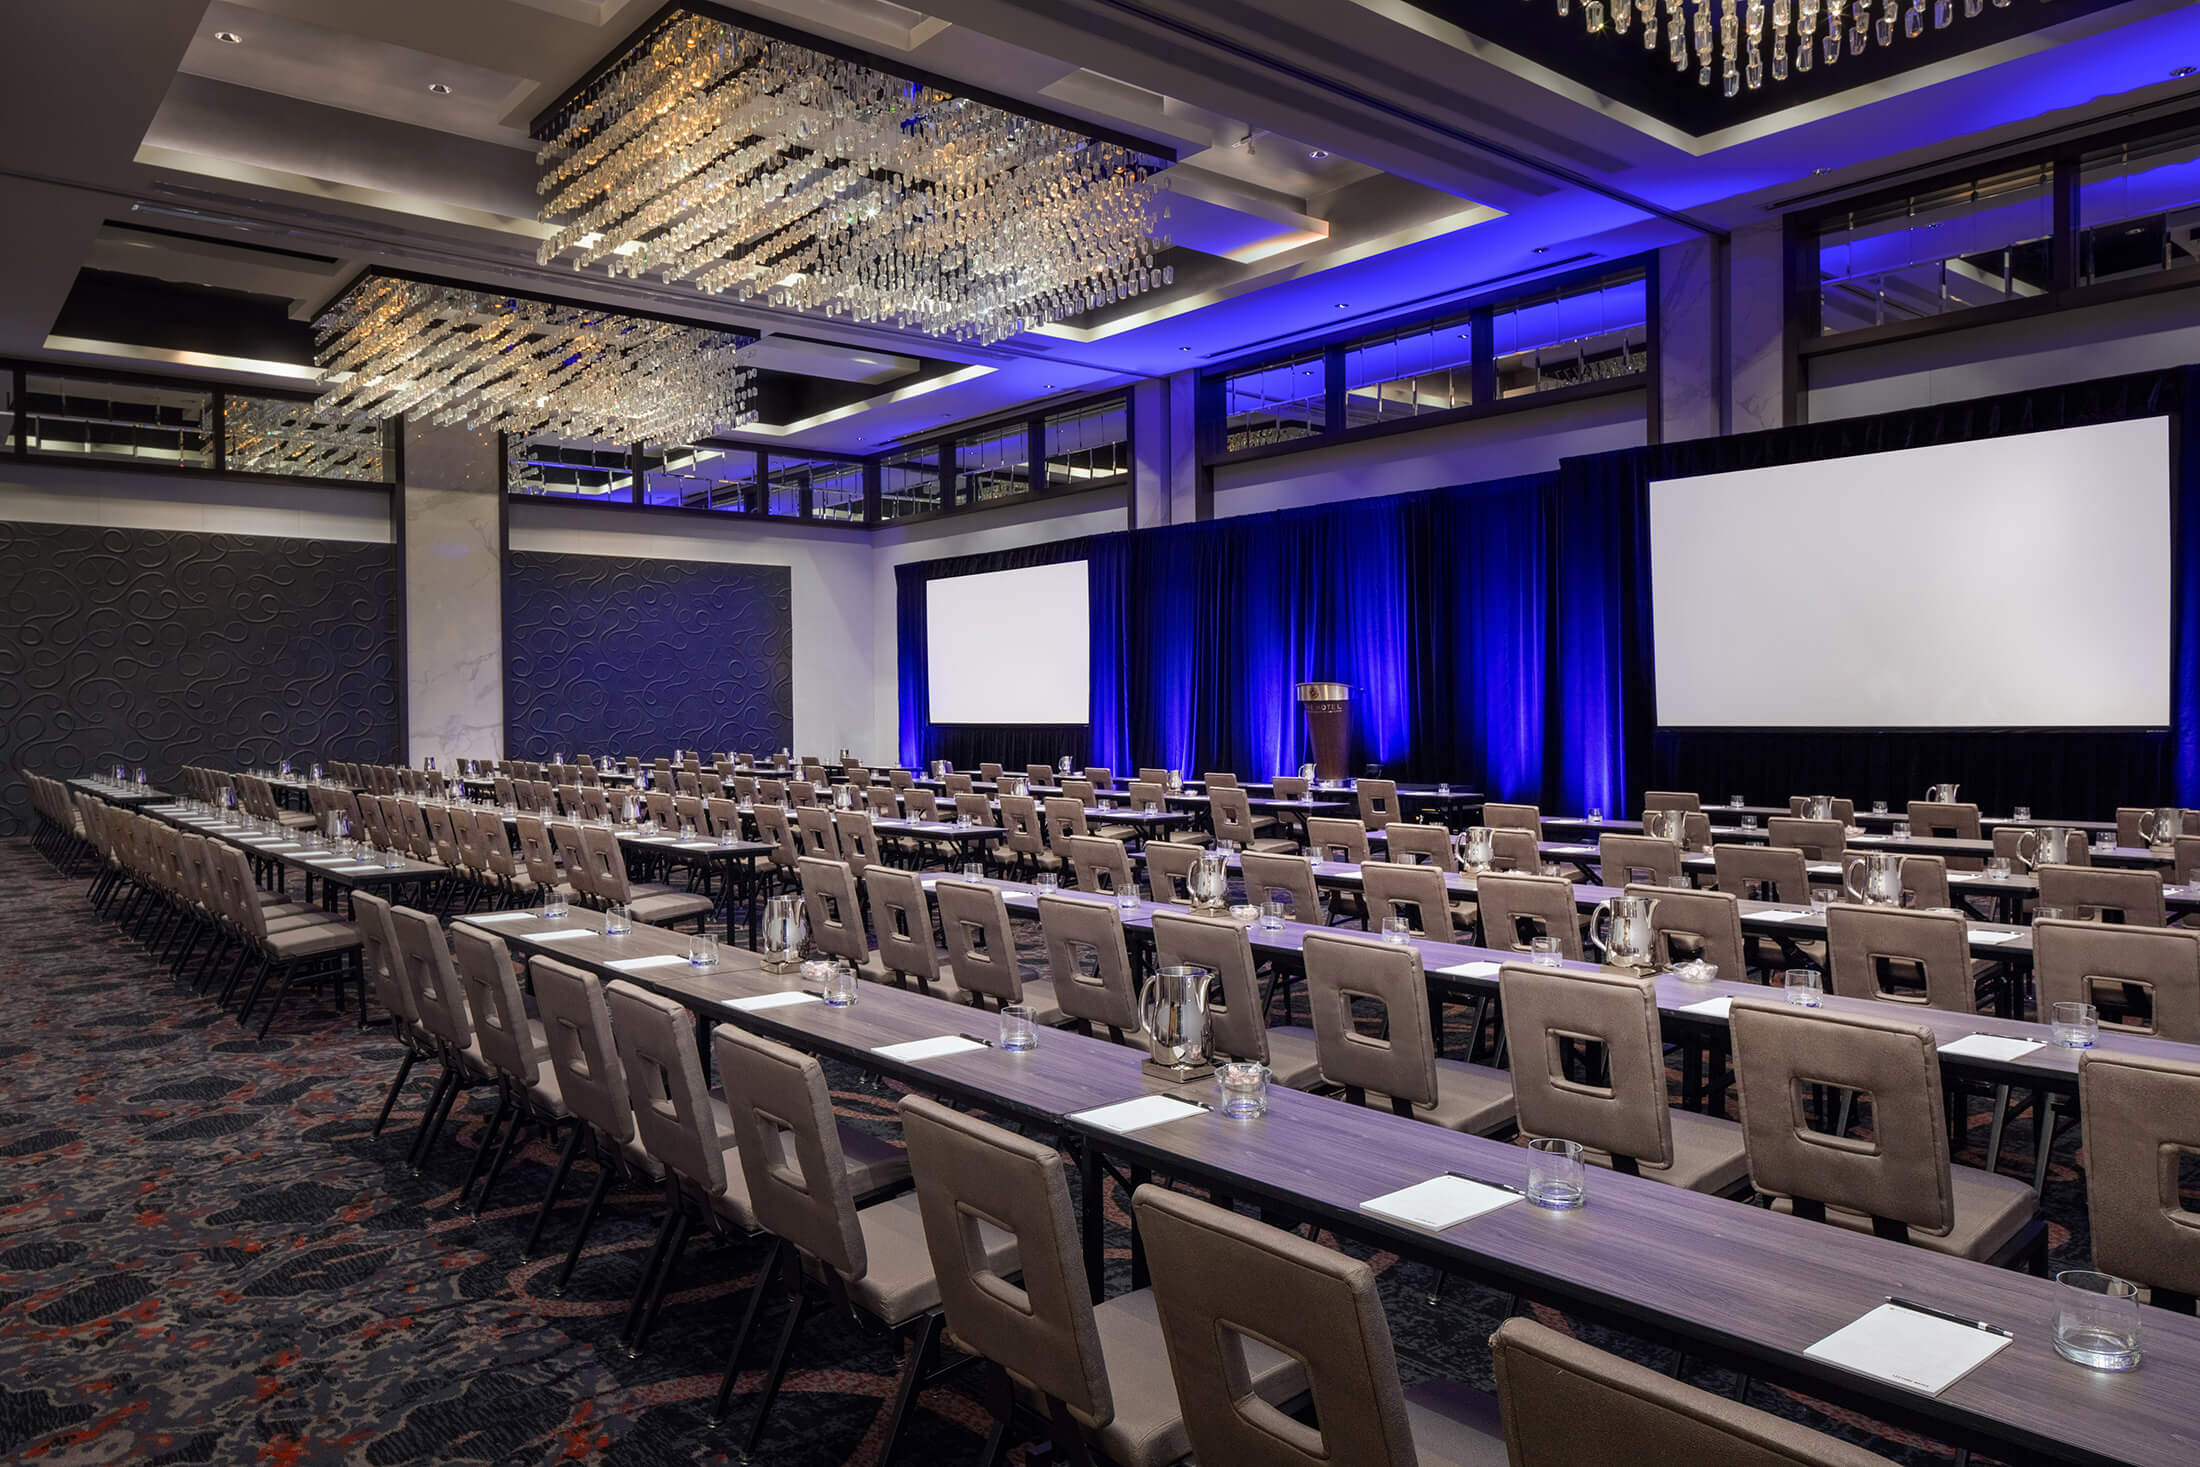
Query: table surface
(1729, 1280)
(292, 853)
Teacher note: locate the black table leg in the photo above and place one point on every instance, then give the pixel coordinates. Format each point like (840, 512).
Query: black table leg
(1093, 1182)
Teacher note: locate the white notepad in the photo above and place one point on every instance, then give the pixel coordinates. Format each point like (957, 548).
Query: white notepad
(563, 932)
(1439, 1203)
(1990, 1046)
(1988, 935)
(1476, 969)
(1919, 1351)
(1780, 916)
(924, 1049)
(1713, 1008)
(501, 917)
(770, 1001)
(1823, 868)
(658, 960)
(1136, 1115)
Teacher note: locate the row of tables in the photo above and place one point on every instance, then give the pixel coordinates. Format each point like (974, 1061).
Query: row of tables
(1735, 1284)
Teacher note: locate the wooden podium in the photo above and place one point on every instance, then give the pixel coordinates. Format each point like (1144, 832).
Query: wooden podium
(1328, 708)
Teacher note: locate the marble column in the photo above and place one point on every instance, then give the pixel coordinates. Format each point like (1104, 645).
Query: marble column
(454, 596)
(1756, 318)
(1165, 450)
(1691, 359)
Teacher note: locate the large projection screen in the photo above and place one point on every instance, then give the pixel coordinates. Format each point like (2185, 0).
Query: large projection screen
(1010, 646)
(2006, 583)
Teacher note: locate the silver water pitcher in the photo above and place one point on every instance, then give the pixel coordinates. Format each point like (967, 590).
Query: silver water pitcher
(1209, 882)
(1941, 794)
(1664, 824)
(1873, 877)
(1820, 807)
(1176, 782)
(2162, 827)
(1062, 765)
(1477, 849)
(1622, 930)
(2048, 845)
(1173, 1007)
(786, 927)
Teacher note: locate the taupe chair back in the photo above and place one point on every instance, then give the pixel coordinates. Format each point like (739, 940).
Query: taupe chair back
(1646, 860)
(1292, 787)
(663, 1069)
(1671, 800)
(1517, 907)
(1415, 893)
(1235, 1020)
(1266, 872)
(688, 809)
(1515, 850)
(776, 830)
(1500, 816)
(1902, 1175)
(499, 1010)
(901, 779)
(431, 977)
(1695, 832)
(1148, 774)
(1089, 962)
(1233, 816)
(885, 801)
(858, 841)
(1624, 1113)
(976, 809)
(1099, 863)
(576, 1028)
(789, 1147)
(1762, 873)
(535, 850)
(1039, 1328)
(722, 816)
(379, 953)
(1378, 802)
(2141, 1115)
(606, 864)
(2108, 964)
(957, 784)
(987, 770)
(1219, 1280)
(834, 910)
(1083, 791)
(1818, 840)
(814, 832)
(901, 920)
(980, 946)
(1332, 838)
(1415, 844)
(2104, 894)
(2185, 860)
(1925, 881)
(1038, 774)
(1219, 779)
(1901, 956)
(1065, 818)
(1143, 793)
(659, 803)
(1168, 871)
(1945, 821)
(1099, 778)
(744, 787)
(1687, 923)
(580, 867)
(1027, 835)
(1399, 1058)
(1566, 1404)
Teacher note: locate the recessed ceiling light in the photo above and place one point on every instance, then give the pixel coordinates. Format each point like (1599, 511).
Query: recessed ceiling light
(229, 38)
(1319, 153)
(1540, 250)
(1820, 172)
(439, 89)
(1183, 348)
(2182, 72)
(1344, 305)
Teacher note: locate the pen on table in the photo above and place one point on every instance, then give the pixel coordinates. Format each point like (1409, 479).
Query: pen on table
(1916, 1308)
(974, 1039)
(1486, 1182)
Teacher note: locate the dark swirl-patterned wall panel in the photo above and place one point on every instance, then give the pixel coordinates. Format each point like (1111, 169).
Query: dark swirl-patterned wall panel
(165, 647)
(616, 655)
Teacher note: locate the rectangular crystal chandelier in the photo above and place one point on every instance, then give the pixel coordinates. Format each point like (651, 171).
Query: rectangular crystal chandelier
(452, 354)
(749, 165)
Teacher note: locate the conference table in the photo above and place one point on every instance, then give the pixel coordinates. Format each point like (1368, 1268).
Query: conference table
(1740, 1286)
(1921, 845)
(128, 796)
(291, 851)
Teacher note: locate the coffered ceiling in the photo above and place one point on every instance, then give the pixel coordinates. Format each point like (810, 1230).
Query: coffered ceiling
(1338, 160)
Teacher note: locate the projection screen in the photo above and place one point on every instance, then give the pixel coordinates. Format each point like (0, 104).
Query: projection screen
(2010, 582)
(1010, 646)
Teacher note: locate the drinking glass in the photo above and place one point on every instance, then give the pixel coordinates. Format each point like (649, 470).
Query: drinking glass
(1696, 970)
(1997, 868)
(1556, 1177)
(1396, 929)
(1805, 988)
(2075, 1025)
(703, 950)
(973, 871)
(617, 920)
(2104, 842)
(1902, 830)
(1047, 882)
(1126, 896)
(1596, 816)
(2049, 912)
(2024, 812)
(553, 904)
(1242, 1086)
(392, 859)
(1019, 1027)
(1879, 807)
(1443, 787)
(1545, 952)
(840, 984)
(1749, 822)
(2096, 1319)
(1734, 802)
(1272, 913)
(1152, 808)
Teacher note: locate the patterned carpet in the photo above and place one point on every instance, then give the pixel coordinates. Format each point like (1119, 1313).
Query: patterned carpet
(207, 1257)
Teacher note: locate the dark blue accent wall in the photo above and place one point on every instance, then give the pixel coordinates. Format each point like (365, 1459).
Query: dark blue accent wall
(613, 654)
(163, 648)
